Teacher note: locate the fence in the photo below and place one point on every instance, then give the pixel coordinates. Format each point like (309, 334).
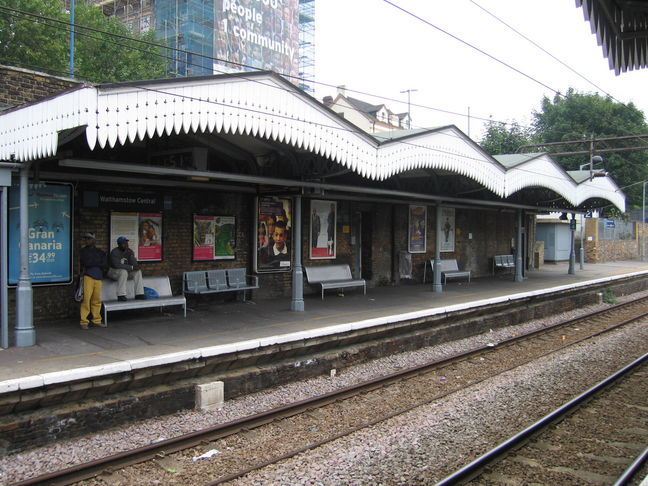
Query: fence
(609, 240)
(612, 229)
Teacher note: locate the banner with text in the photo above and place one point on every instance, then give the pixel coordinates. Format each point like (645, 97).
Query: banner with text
(49, 233)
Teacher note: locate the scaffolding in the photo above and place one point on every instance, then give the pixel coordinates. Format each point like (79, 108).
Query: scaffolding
(307, 44)
(188, 28)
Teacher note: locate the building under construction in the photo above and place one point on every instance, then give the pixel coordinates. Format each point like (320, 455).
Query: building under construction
(215, 36)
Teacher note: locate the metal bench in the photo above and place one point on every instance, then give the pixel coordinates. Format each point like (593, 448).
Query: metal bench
(333, 277)
(450, 269)
(506, 262)
(160, 284)
(216, 281)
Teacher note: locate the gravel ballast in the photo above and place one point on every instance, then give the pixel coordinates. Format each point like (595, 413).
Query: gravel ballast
(410, 448)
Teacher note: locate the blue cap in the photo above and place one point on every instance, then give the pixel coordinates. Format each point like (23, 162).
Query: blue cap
(122, 239)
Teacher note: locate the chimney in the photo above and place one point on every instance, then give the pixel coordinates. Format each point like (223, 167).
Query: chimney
(342, 89)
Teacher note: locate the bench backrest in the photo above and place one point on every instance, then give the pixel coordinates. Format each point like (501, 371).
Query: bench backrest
(217, 279)
(448, 265)
(500, 260)
(237, 277)
(195, 281)
(161, 285)
(323, 273)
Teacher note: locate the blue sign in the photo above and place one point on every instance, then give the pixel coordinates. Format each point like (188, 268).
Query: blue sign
(610, 223)
(50, 233)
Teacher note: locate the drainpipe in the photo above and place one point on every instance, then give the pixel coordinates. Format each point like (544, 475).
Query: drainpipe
(297, 303)
(25, 332)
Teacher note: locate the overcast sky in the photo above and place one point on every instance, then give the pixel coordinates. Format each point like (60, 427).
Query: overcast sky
(372, 47)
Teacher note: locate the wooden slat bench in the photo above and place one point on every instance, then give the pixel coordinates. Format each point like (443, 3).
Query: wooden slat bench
(333, 277)
(216, 281)
(160, 284)
(506, 262)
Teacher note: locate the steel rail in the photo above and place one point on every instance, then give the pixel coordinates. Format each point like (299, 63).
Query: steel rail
(632, 469)
(123, 459)
(473, 469)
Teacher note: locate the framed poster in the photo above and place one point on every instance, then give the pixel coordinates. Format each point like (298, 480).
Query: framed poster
(323, 221)
(214, 237)
(417, 229)
(447, 229)
(49, 233)
(274, 236)
(144, 233)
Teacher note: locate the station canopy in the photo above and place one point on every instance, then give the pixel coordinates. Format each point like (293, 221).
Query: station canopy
(621, 28)
(252, 130)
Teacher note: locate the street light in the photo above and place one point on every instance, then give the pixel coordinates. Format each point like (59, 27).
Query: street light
(643, 224)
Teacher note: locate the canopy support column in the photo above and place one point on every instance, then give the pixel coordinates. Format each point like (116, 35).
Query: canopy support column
(297, 302)
(519, 251)
(25, 332)
(436, 285)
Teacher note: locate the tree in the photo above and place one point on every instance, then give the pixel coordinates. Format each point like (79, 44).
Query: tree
(581, 116)
(500, 139)
(41, 42)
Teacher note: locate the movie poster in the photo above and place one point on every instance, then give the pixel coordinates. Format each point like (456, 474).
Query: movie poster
(214, 237)
(323, 222)
(447, 230)
(417, 229)
(143, 231)
(274, 234)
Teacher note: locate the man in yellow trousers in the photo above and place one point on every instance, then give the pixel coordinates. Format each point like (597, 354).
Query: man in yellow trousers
(93, 263)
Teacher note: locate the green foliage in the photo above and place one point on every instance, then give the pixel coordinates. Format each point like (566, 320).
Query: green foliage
(498, 139)
(579, 116)
(608, 296)
(43, 44)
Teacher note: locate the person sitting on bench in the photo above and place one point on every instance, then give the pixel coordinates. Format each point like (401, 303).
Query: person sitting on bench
(123, 266)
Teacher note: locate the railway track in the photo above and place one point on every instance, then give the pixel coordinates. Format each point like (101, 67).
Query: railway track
(596, 438)
(241, 447)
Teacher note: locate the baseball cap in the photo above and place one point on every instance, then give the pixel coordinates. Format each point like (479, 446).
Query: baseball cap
(122, 239)
(88, 235)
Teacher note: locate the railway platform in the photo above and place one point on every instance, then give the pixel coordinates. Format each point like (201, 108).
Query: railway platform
(136, 339)
(148, 364)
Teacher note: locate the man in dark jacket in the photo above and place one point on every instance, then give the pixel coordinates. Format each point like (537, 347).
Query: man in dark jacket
(93, 263)
(123, 266)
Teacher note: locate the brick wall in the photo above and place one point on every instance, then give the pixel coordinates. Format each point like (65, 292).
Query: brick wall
(21, 86)
(479, 235)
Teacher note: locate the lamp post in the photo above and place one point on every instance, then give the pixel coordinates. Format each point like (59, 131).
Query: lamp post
(643, 223)
(582, 252)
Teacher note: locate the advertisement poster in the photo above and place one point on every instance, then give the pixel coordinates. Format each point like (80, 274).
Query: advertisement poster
(144, 233)
(323, 218)
(50, 233)
(261, 34)
(447, 229)
(417, 229)
(214, 237)
(274, 230)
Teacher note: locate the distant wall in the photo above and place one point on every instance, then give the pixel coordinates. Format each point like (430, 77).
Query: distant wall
(598, 250)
